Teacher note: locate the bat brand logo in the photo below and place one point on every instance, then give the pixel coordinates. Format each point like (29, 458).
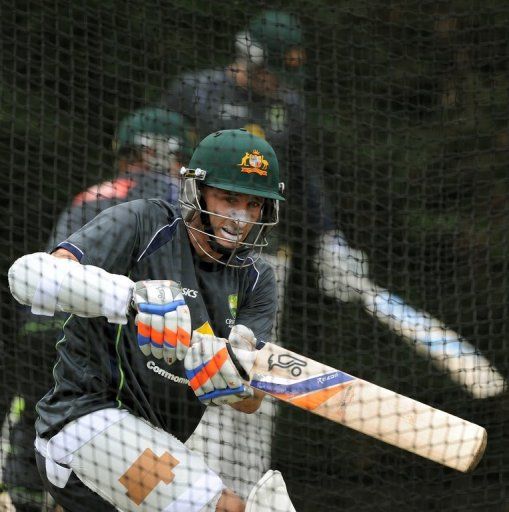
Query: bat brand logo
(161, 295)
(325, 378)
(288, 362)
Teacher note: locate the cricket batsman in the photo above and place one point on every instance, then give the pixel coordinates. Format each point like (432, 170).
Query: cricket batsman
(156, 294)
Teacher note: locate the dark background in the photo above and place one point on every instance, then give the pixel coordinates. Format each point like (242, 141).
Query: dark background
(408, 108)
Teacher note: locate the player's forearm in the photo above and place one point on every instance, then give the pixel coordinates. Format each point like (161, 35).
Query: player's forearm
(49, 284)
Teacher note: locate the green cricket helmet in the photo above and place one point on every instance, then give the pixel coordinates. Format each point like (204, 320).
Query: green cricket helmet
(167, 134)
(269, 39)
(237, 161)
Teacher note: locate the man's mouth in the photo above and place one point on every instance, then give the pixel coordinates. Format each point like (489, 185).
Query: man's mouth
(230, 233)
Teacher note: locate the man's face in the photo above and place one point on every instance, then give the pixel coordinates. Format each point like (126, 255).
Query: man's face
(232, 214)
(295, 57)
(161, 152)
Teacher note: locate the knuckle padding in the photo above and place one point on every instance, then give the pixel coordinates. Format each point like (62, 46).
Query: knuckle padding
(160, 309)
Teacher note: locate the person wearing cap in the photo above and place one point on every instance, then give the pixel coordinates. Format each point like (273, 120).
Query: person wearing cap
(161, 299)
(151, 144)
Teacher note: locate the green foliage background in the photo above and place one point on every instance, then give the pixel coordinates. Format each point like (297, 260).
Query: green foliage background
(408, 112)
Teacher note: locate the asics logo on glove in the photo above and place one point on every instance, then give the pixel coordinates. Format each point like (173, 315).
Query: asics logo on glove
(163, 320)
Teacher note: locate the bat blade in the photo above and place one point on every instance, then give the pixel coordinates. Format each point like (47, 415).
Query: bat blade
(368, 408)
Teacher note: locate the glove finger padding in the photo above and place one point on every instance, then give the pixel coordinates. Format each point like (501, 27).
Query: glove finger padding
(183, 331)
(143, 323)
(211, 373)
(170, 337)
(196, 372)
(163, 319)
(177, 337)
(156, 335)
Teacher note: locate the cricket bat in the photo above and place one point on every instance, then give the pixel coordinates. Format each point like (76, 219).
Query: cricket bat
(344, 273)
(431, 339)
(366, 407)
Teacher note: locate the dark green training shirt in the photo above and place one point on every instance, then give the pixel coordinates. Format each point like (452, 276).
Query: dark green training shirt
(100, 365)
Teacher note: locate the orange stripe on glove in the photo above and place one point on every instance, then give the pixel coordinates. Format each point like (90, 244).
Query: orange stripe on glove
(209, 369)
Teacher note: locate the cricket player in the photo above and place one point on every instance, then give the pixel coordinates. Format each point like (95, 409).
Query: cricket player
(156, 293)
(151, 145)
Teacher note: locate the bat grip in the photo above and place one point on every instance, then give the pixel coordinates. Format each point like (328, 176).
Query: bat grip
(236, 363)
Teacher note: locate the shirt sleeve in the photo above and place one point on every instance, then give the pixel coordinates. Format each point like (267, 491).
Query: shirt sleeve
(67, 223)
(110, 240)
(259, 306)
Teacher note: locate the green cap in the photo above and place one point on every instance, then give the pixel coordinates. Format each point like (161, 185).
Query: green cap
(239, 161)
(146, 125)
(276, 31)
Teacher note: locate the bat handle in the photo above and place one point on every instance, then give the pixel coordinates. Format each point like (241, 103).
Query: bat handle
(236, 363)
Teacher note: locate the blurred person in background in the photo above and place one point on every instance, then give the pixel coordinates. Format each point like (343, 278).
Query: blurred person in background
(151, 145)
(262, 90)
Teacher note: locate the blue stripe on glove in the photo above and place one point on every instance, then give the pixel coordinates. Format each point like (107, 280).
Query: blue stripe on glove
(160, 309)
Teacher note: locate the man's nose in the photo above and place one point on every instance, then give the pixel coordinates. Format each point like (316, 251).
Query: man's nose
(240, 217)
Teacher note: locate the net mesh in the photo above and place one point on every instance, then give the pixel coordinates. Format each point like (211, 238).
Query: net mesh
(390, 258)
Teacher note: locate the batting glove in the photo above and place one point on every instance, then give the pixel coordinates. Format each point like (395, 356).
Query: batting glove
(163, 320)
(343, 270)
(212, 374)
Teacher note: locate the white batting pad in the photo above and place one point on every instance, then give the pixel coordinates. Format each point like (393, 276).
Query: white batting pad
(134, 465)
